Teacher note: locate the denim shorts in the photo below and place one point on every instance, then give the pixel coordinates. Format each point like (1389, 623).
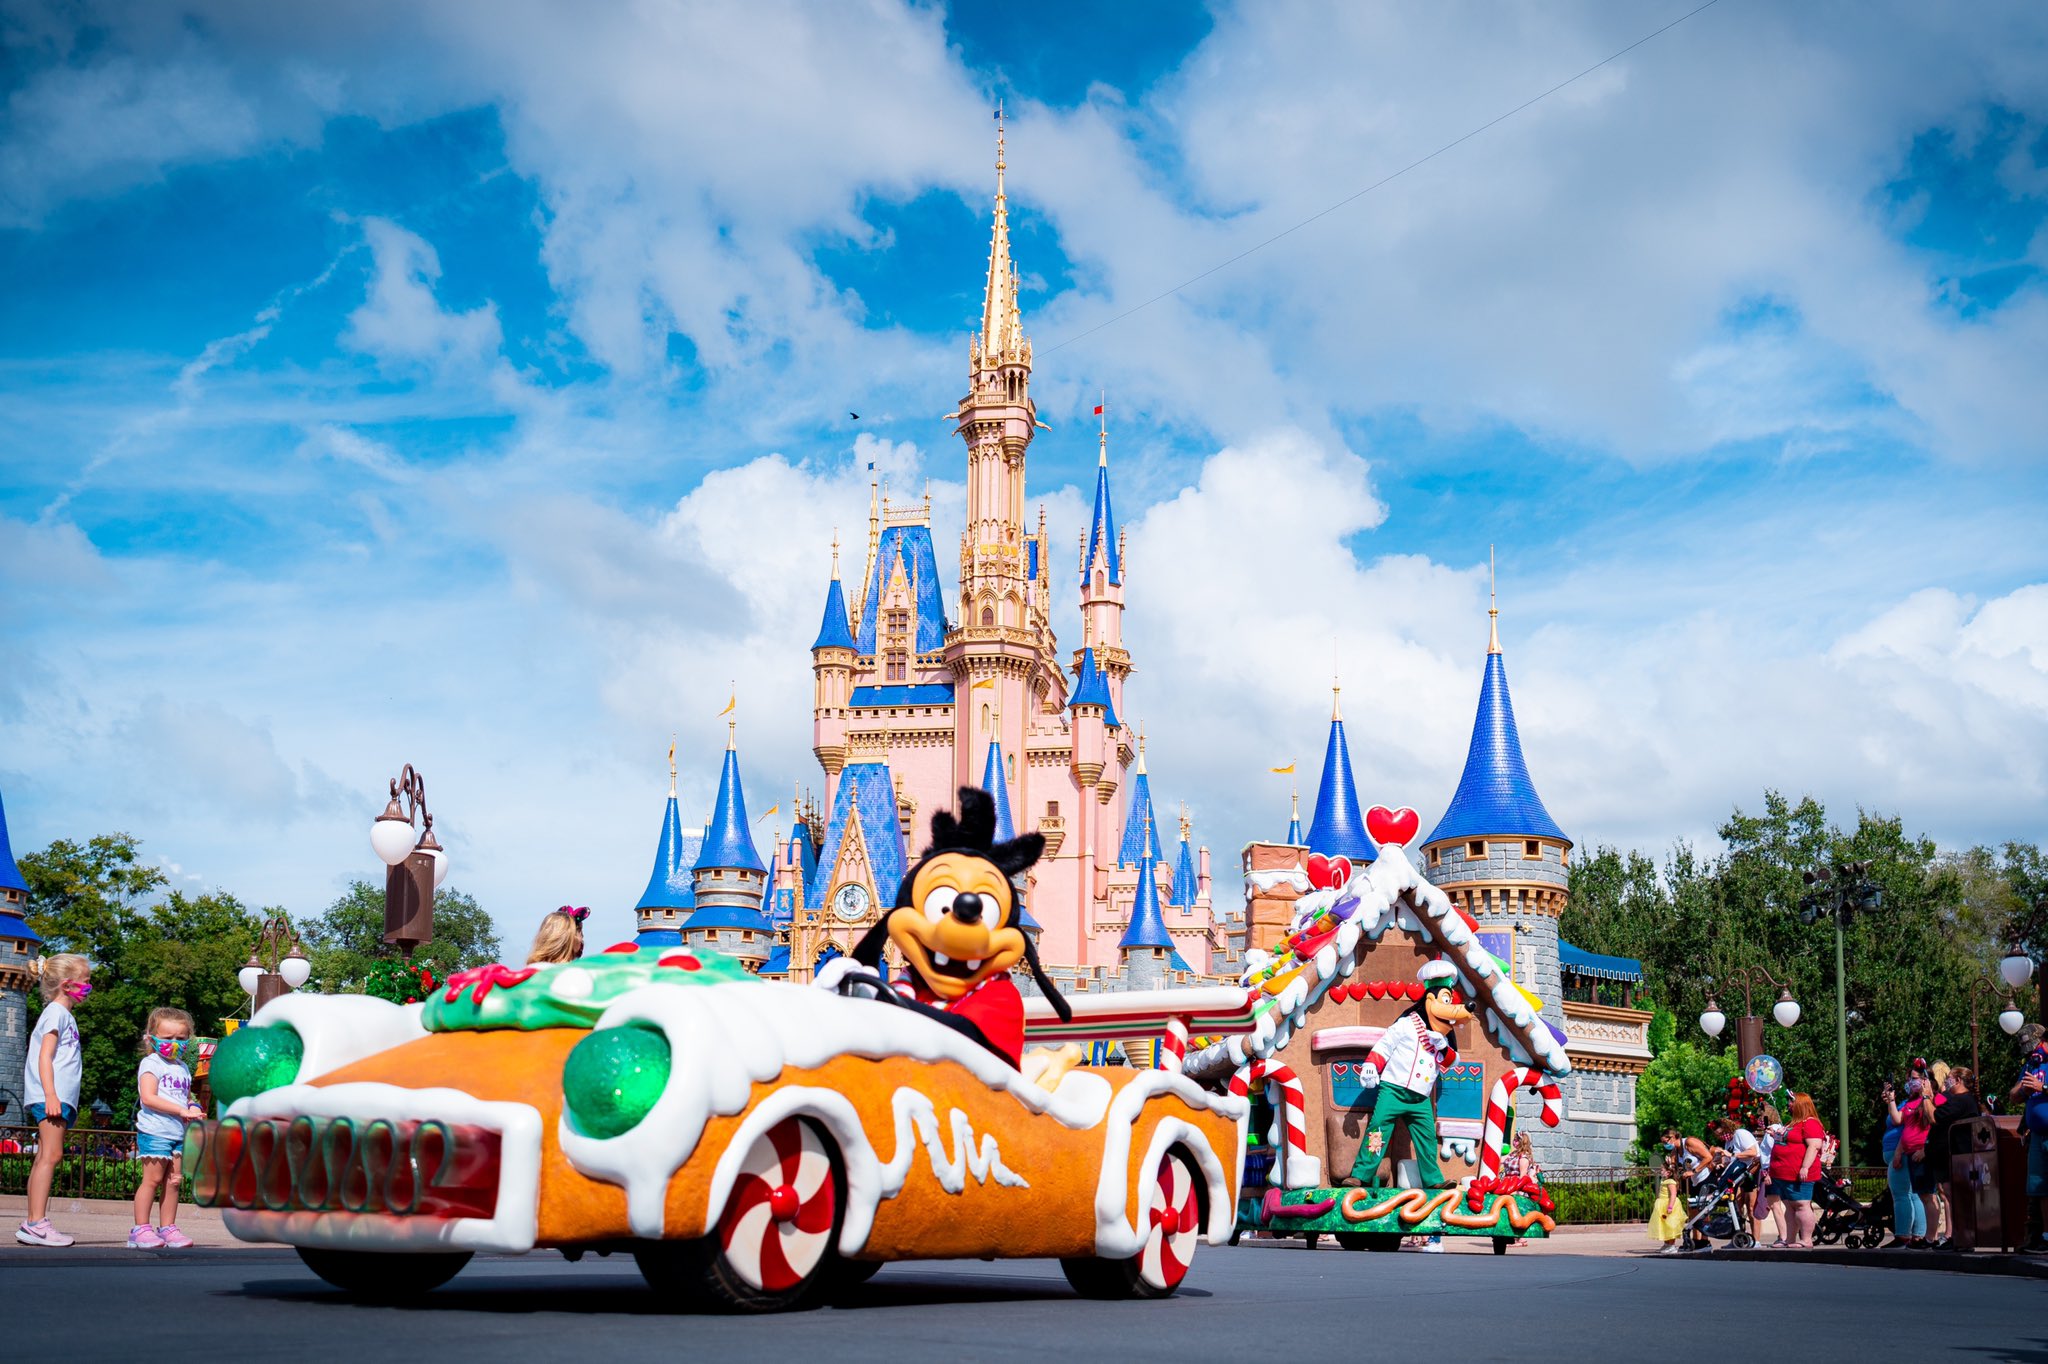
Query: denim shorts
(37, 1113)
(150, 1146)
(1793, 1190)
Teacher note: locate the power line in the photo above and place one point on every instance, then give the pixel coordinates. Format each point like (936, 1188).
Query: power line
(1384, 180)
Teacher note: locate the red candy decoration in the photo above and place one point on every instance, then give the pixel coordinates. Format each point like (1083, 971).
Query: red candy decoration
(1328, 873)
(623, 947)
(684, 962)
(783, 1202)
(1392, 826)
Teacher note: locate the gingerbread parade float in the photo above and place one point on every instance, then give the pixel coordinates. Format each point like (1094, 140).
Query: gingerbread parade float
(1388, 1048)
(752, 1142)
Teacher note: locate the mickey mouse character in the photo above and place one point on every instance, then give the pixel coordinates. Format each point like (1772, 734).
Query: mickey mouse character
(955, 922)
(1405, 1064)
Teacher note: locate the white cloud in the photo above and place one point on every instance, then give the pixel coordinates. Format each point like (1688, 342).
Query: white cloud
(402, 320)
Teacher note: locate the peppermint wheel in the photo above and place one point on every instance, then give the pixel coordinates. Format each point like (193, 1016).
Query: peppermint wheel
(1173, 1224)
(780, 1219)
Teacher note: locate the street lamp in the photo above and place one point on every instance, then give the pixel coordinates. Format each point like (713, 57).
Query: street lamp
(277, 964)
(1840, 894)
(416, 865)
(2016, 968)
(2009, 1018)
(1749, 1033)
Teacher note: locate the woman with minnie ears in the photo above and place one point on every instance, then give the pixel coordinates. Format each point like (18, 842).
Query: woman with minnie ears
(560, 937)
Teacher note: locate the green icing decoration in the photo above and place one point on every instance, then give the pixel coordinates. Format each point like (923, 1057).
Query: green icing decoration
(612, 1079)
(251, 1060)
(567, 994)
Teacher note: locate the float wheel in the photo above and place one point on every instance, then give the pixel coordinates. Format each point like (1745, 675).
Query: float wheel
(1174, 1227)
(383, 1277)
(775, 1242)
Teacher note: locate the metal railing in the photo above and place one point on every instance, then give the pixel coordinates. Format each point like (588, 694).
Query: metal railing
(1595, 1194)
(98, 1162)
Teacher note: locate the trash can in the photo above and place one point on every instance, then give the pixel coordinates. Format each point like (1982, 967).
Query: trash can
(1976, 1194)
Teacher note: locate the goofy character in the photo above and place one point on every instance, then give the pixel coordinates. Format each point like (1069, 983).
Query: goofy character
(1405, 1064)
(955, 922)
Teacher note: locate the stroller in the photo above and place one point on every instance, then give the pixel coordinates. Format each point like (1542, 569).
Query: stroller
(1839, 1217)
(1711, 1209)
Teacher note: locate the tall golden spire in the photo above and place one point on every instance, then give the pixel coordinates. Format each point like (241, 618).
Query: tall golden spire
(999, 315)
(1492, 607)
(1336, 698)
(1102, 449)
(671, 767)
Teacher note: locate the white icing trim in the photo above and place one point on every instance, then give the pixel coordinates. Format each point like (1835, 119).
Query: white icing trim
(1352, 1035)
(1117, 1239)
(340, 1030)
(724, 1039)
(513, 1224)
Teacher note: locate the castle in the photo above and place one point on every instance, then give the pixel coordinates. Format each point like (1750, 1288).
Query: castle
(20, 949)
(911, 702)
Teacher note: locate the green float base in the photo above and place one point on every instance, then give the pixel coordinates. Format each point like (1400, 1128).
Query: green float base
(1251, 1215)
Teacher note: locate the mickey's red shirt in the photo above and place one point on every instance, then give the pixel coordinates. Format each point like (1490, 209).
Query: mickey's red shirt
(995, 1006)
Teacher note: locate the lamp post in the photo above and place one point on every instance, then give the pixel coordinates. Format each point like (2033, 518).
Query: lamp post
(1749, 1033)
(403, 837)
(1840, 894)
(2009, 1018)
(277, 964)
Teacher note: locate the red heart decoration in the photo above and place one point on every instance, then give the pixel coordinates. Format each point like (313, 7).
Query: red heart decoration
(1392, 826)
(1415, 991)
(1340, 872)
(1377, 989)
(1340, 993)
(1318, 869)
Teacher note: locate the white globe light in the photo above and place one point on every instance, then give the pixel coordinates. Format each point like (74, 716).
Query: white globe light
(393, 839)
(249, 977)
(2012, 1020)
(2016, 970)
(1712, 1021)
(295, 969)
(440, 865)
(1786, 1011)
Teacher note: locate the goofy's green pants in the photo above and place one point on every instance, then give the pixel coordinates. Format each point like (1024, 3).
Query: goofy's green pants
(1397, 1105)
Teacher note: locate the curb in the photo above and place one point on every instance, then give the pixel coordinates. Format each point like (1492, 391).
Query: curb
(1952, 1262)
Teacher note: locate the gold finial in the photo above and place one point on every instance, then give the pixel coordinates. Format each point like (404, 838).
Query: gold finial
(671, 767)
(835, 554)
(1141, 747)
(1294, 804)
(1102, 411)
(1185, 823)
(1336, 698)
(732, 721)
(999, 146)
(1492, 607)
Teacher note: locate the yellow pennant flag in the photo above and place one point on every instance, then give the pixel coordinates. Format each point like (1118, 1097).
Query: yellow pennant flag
(767, 812)
(985, 682)
(730, 704)
(1286, 771)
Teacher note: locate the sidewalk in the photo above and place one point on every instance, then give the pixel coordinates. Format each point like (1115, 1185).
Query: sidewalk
(101, 1222)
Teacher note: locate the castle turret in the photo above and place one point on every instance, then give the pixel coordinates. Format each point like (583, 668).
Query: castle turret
(1145, 947)
(1187, 884)
(1497, 852)
(731, 883)
(832, 663)
(20, 947)
(1338, 828)
(995, 781)
(1102, 580)
(1295, 838)
(1094, 738)
(1141, 833)
(670, 896)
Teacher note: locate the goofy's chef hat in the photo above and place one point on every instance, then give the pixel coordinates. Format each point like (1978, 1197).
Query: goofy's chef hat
(1438, 975)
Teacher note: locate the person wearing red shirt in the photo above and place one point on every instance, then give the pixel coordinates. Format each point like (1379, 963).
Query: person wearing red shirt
(1795, 1164)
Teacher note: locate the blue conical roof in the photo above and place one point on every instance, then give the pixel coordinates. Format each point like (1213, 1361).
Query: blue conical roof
(800, 834)
(833, 631)
(1141, 827)
(1338, 828)
(729, 839)
(1187, 887)
(10, 875)
(1495, 795)
(1102, 528)
(1295, 838)
(669, 885)
(994, 780)
(1146, 928)
(1091, 688)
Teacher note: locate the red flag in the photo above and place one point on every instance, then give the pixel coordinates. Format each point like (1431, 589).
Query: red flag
(1098, 409)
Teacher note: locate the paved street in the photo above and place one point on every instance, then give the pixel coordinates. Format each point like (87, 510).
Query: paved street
(1533, 1305)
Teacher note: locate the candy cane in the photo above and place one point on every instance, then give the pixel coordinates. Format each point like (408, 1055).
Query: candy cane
(1173, 1046)
(1497, 1112)
(1296, 1163)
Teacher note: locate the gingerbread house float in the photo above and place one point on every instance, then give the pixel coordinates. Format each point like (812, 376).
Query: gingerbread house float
(1343, 971)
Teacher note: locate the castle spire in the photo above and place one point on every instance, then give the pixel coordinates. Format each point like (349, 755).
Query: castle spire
(1492, 607)
(1338, 828)
(670, 895)
(999, 298)
(729, 839)
(1495, 795)
(1294, 835)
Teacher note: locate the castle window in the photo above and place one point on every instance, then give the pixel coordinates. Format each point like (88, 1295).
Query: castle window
(988, 617)
(1531, 848)
(1052, 809)
(1436, 857)
(1011, 760)
(1475, 851)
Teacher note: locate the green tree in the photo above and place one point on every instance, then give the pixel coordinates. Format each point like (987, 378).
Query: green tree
(349, 935)
(1686, 1087)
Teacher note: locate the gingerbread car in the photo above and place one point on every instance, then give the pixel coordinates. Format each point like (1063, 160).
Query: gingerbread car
(748, 1140)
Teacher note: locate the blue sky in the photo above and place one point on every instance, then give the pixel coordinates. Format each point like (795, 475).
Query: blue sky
(462, 385)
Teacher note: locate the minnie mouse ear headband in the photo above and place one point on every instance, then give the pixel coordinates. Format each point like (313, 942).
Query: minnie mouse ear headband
(577, 912)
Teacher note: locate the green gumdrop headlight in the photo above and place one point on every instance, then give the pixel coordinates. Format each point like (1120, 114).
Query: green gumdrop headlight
(612, 1078)
(251, 1060)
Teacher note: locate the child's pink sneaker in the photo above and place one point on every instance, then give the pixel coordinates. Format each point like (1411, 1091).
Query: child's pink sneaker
(41, 1234)
(173, 1238)
(144, 1238)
